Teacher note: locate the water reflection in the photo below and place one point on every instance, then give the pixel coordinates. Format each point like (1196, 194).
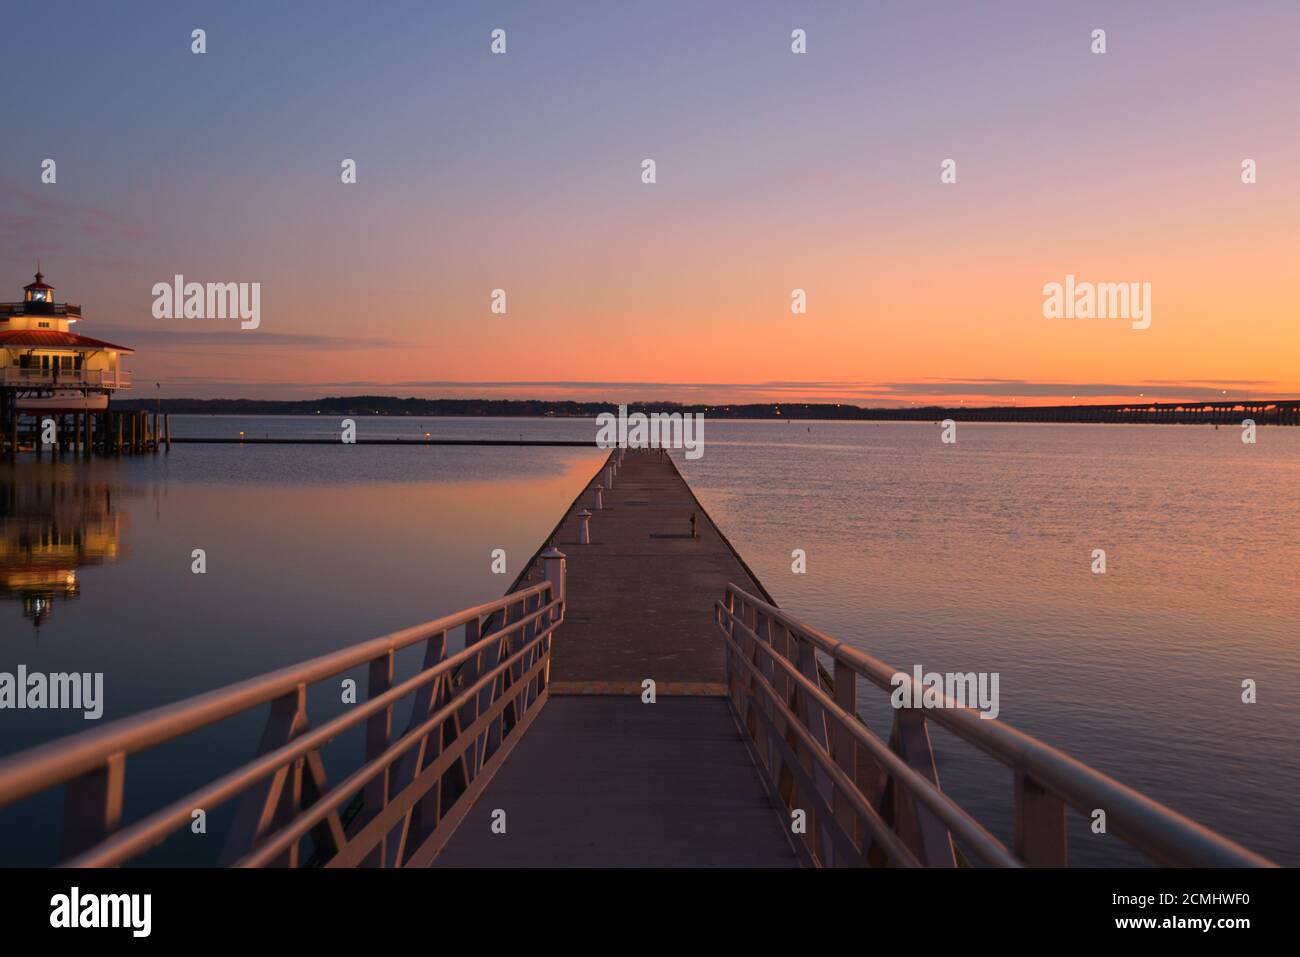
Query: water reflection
(48, 531)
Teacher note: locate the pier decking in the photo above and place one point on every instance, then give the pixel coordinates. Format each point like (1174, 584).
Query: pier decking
(603, 779)
(606, 781)
(641, 539)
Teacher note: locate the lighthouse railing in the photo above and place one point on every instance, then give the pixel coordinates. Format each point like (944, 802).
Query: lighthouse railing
(67, 378)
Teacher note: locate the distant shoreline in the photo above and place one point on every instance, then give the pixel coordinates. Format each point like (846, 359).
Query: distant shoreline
(1195, 412)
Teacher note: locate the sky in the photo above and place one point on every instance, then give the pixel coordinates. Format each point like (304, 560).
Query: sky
(774, 172)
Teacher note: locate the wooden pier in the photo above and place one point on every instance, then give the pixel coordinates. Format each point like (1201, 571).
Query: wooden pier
(604, 778)
(83, 433)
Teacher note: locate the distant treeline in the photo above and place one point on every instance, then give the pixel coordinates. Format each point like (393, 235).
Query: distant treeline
(515, 408)
(1279, 412)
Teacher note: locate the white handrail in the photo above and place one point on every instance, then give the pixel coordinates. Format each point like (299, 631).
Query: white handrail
(1150, 827)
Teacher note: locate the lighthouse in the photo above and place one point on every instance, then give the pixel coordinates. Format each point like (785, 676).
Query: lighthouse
(49, 371)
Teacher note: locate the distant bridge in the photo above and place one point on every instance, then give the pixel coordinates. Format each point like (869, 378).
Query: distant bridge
(1227, 412)
(530, 741)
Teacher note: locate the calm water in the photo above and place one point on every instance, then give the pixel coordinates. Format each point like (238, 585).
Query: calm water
(973, 557)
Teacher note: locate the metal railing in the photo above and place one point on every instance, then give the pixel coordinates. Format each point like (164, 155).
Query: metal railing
(66, 378)
(410, 791)
(868, 802)
(35, 308)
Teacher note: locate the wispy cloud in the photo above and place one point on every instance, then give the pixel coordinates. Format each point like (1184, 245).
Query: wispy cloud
(48, 216)
(182, 338)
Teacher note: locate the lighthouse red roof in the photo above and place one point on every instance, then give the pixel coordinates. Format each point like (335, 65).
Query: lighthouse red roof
(40, 282)
(52, 338)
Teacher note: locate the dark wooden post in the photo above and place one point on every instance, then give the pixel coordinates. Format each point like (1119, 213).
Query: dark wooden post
(1039, 824)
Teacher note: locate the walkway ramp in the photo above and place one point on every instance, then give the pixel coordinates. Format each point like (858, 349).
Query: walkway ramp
(639, 598)
(606, 781)
(601, 778)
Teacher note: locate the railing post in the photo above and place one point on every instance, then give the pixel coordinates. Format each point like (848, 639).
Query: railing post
(500, 687)
(846, 751)
(762, 628)
(379, 729)
(915, 823)
(475, 631)
(748, 720)
(423, 818)
(813, 717)
(531, 630)
(1040, 824)
(92, 806)
(272, 801)
(729, 601)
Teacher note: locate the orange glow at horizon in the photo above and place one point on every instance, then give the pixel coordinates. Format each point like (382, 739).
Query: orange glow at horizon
(774, 173)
